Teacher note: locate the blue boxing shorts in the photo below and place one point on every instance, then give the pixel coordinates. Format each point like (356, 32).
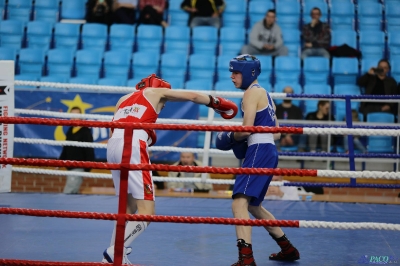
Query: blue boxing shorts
(260, 155)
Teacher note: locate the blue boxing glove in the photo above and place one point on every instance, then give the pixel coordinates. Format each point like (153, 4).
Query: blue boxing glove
(225, 141)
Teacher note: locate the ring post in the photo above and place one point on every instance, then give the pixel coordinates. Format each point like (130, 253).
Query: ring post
(6, 130)
(349, 123)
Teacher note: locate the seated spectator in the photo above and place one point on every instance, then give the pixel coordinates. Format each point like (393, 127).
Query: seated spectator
(287, 110)
(152, 12)
(322, 114)
(204, 12)
(99, 11)
(125, 11)
(356, 139)
(266, 38)
(376, 82)
(188, 158)
(316, 36)
(283, 192)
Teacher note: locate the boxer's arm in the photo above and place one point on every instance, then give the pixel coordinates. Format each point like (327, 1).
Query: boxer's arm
(250, 111)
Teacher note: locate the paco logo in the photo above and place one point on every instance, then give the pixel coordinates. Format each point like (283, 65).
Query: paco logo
(378, 259)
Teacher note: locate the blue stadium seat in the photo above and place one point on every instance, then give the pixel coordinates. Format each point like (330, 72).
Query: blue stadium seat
(278, 87)
(144, 64)
(235, 14)
(266, 70)
(19, 10)
(133, 82)
(117, 65)
(392, 12)
(177, 39)
(112, 81)
(340, 106)
(223, 67)
(202, 66)
(176, 83)
(11, 34)
(311, 105)
(288, 14)
(309, 5)
(122, 37)
(66, 35)
(46, 10)
(369, 62)
(56, 79)
(287, 69)
(340, 37)
(149, 38)
(11, 41)
(82, 80)
(73, 9)
(258, 9)
(38, 34)
(316, 70)
(94, 36)
(372, 43)
(291, 39)
(31, 62)
(88, 63)
(176, 16)
(174, 65)
(7, 53)
(394, 43)
(224, 85)
(344, 70)
(60, 62)
(369, 15)
(342, 15)
(231, 43)
(380, 144)
(395, 63)
(204, 39)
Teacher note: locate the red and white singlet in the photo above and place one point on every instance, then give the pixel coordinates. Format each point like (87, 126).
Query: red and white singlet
(136, 108)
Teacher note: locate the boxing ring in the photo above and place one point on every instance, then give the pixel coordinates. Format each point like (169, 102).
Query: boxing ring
(190, 231)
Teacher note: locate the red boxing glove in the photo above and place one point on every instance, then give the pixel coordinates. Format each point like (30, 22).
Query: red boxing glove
(152, 139)
(226, 108)
(154, 82)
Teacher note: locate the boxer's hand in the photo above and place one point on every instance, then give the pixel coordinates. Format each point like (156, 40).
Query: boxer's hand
(226, 108)
(154, 82)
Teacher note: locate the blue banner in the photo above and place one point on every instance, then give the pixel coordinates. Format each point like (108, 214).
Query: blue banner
(93, 103)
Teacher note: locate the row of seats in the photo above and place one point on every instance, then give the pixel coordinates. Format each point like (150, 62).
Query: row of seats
(342, 14)
(201, 39)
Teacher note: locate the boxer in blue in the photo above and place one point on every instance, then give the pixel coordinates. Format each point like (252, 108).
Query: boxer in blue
(258, 151)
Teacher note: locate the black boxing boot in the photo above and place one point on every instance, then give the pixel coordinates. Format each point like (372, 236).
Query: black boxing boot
(245, 254)
(288, 251)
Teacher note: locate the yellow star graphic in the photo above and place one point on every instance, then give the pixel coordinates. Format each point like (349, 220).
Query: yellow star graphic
(76, 102)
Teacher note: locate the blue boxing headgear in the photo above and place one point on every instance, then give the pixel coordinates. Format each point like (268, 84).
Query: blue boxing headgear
(248, 65)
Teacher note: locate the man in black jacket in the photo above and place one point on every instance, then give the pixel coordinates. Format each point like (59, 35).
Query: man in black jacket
(204, 12)
(73, 153)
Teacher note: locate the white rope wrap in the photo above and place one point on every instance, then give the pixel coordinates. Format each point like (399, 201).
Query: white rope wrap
(358, 174)
(108, 176)
(351, 131)
(351, 226)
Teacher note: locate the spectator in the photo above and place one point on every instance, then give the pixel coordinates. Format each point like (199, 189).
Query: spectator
(287, 110)
(322, 114)
(316, 36)
(204, 12)
(283, 192)
(152, 12)
(74, 153)
(266, 38)
(356, 139)
(125, 11)
(187, 158)
(99, 11)
(376, 82)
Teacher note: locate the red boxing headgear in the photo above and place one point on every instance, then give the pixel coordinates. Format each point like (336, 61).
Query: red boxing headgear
(154, 82)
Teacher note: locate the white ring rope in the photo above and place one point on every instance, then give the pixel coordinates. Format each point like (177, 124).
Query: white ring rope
(320, 173)
(352, 226)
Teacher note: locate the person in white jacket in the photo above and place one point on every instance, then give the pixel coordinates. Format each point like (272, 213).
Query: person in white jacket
(266, 38)
(283, 192)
